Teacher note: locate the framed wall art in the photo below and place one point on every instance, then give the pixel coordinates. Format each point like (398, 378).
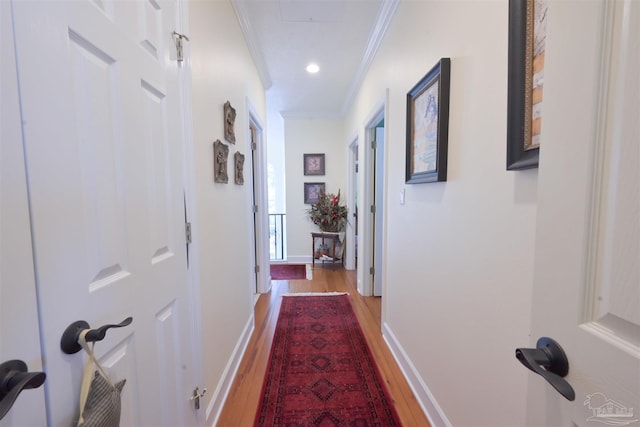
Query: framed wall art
(527, 36)
(229, 123)
(428, 126)
(312, 191)
(238, 160)
(220, 155)
(314, 164)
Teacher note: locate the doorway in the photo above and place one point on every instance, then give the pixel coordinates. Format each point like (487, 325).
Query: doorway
(378, 205)
(370, 273)
(258, 181)
(352, 204)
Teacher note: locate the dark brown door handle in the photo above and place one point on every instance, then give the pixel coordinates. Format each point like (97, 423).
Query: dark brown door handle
(14, 377)
(549, 361)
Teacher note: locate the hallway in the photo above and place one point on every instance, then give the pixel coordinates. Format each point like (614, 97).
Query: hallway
(239, 409)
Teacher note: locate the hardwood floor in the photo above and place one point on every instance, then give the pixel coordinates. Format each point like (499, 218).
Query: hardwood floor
(242, 402)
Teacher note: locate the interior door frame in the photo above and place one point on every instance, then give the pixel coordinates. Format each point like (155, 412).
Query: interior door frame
(190, 200)
(366, 243)
(352, 185)
(261, 280)
(379, 215)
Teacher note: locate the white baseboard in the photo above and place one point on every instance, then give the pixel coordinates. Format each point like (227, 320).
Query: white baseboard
(222, 390)
(425, 398)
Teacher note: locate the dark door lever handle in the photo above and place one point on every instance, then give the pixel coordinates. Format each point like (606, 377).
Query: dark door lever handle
(14, 377)
(69, 342)
(550, 362)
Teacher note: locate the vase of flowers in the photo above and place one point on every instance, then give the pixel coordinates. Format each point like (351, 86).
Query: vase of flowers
(328, 213)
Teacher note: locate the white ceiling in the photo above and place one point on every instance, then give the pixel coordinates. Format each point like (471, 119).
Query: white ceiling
(341, 36)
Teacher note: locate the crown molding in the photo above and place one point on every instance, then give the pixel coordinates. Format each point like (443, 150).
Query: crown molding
(387, 10)
(252, 44)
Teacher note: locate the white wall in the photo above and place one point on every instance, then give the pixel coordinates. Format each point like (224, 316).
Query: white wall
(222, 70)
(304, 136)
(459, 267)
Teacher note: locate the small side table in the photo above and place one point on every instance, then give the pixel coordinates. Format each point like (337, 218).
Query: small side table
(331, 256)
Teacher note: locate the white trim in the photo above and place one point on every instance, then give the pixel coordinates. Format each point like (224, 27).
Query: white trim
(387, 10)
(423, 395)
(263, 284)
(365, 244)
(250, 37)
(350, 258)
(190, 195)
(221, 393)
(597, 165)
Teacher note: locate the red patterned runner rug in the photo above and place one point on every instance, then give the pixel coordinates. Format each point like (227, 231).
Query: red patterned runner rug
(288, 271)
(321, 371)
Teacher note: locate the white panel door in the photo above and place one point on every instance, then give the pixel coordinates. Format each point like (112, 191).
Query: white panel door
(587, 268)
(105, 170)
(19, 336)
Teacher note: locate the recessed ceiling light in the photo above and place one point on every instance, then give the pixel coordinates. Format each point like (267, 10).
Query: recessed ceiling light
(313, 68)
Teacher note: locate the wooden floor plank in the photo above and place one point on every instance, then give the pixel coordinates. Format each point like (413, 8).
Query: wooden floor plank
(242, 402)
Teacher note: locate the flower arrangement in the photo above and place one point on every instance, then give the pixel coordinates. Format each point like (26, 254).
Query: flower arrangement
(327, 213)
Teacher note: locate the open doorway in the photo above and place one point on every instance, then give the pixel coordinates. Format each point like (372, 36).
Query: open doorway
(378, 145)
(259, 204)
(351, 258)
(370, 274)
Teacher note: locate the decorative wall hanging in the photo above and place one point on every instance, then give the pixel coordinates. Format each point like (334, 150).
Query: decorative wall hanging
(229, 121)
(527, 35)
(312, 191)
(220, 155)
(428, 126)
(314, 164)
(239, 162)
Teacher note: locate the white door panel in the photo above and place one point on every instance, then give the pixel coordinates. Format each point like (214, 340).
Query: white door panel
(105, 170)
(587, 271)
(19, 336)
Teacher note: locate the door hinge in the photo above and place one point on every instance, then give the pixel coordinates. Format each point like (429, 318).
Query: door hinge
(197, 394)
(372, 270)
(373, 144)
(187, 232)
(254, 146)
(257, 269)
(255, 208)
(373, 208)
(178, 40)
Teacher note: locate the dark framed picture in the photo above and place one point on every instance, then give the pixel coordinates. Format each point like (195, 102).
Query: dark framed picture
(312, 191)
(527, 36)
(428, 126)
(314, 164)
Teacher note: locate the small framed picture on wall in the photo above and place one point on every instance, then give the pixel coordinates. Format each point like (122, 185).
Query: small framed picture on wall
(312, 191)
(314, 164)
